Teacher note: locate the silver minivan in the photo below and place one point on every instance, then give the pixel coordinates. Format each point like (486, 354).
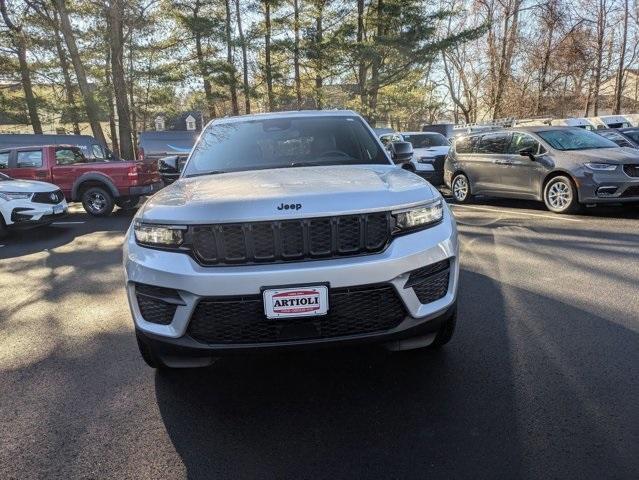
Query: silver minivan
(564, 167)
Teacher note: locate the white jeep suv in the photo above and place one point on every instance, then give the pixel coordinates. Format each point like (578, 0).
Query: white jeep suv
(290, 230)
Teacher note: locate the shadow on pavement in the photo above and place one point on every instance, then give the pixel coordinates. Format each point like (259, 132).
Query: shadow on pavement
(26, 242)
(475, 410)
(361, 413)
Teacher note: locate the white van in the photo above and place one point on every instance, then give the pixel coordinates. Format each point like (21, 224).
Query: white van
(584, 123)
(616, 121)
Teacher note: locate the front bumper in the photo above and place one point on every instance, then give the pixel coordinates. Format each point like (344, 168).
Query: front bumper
(607, 187)
(27, 214)
(149, 189)
(391, 267)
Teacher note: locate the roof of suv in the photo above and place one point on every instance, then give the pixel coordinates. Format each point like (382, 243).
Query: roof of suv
(288, 114)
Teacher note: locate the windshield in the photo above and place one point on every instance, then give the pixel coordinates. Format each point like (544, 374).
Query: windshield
(575, 139)
(425, 140)
(284, 142)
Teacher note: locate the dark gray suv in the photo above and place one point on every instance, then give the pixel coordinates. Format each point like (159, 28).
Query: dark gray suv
(562, 166)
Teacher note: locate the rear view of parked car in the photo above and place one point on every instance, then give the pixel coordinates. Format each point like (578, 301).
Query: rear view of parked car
(26, 204)
(564, 167)
(430, 148)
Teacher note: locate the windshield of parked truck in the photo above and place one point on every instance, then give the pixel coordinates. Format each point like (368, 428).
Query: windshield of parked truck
(425, 140)
(575, 139)
(284, 142)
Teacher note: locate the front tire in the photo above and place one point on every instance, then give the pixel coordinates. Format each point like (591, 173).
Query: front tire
(3, 228)
(97, 201)
(445, 333)
(149, 357)
(460, 188)
(560, 195)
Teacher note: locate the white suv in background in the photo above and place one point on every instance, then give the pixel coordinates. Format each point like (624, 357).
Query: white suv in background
(291, 230)
(27, 203)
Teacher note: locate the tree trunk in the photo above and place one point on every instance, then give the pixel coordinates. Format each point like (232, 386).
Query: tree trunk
(375, 65)
(362, 71)
(267, 55)
(68, 86)
(119, 83)
(296, 53)
(247, 90)
(622, 61)
(229, 58)
(319, 67)
(93, 112)
(201, 63)
(544, 67)
(601, 31)
(20, 42)
(115, 145)
(132, 103)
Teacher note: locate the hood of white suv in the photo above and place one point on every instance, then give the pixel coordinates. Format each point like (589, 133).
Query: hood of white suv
(26, 186)
(286, 193)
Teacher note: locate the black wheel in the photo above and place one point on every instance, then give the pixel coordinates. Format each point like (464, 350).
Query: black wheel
(97, 201)
(150, 358)
(460, 188)
(3, 228)
(127, 203)
(445, 332)
(560, 195)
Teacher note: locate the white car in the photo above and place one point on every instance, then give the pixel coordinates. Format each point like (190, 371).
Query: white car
(27, 203)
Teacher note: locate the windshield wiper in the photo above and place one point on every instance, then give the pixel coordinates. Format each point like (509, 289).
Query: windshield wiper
(201, 174)
(306, 164)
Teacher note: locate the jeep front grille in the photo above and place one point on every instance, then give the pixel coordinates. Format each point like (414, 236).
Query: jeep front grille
(290, 240)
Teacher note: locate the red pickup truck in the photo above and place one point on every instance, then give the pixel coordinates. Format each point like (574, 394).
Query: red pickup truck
(98, 185)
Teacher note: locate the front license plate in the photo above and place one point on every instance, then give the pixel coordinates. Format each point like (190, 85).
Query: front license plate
(58, 209)
(296, 302)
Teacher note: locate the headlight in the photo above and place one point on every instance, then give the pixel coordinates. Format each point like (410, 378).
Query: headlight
(419, 217)
(159, 235)
(601, 167)
(8, 196)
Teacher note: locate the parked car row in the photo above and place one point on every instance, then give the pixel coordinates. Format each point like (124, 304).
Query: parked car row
(565, 167)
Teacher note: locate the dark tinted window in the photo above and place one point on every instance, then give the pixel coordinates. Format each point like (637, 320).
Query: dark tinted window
(389, 138)
(29, 159)
(465, 144)
(68, 156)
(284, 142)
(520, 141)
(425, 140)
(494, 143)
(4, 160)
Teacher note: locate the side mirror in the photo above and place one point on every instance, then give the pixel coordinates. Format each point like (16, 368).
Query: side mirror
(169, 164)
(527, 152)
(401, 152)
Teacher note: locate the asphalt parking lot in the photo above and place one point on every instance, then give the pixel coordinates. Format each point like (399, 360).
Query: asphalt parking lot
(540, 381)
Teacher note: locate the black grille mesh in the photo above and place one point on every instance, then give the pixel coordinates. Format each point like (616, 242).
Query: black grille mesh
(433, 288)
(152, 308)
(631, 170)
(631, 191)
(289, 240)
(48, 197)
(242, 320)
